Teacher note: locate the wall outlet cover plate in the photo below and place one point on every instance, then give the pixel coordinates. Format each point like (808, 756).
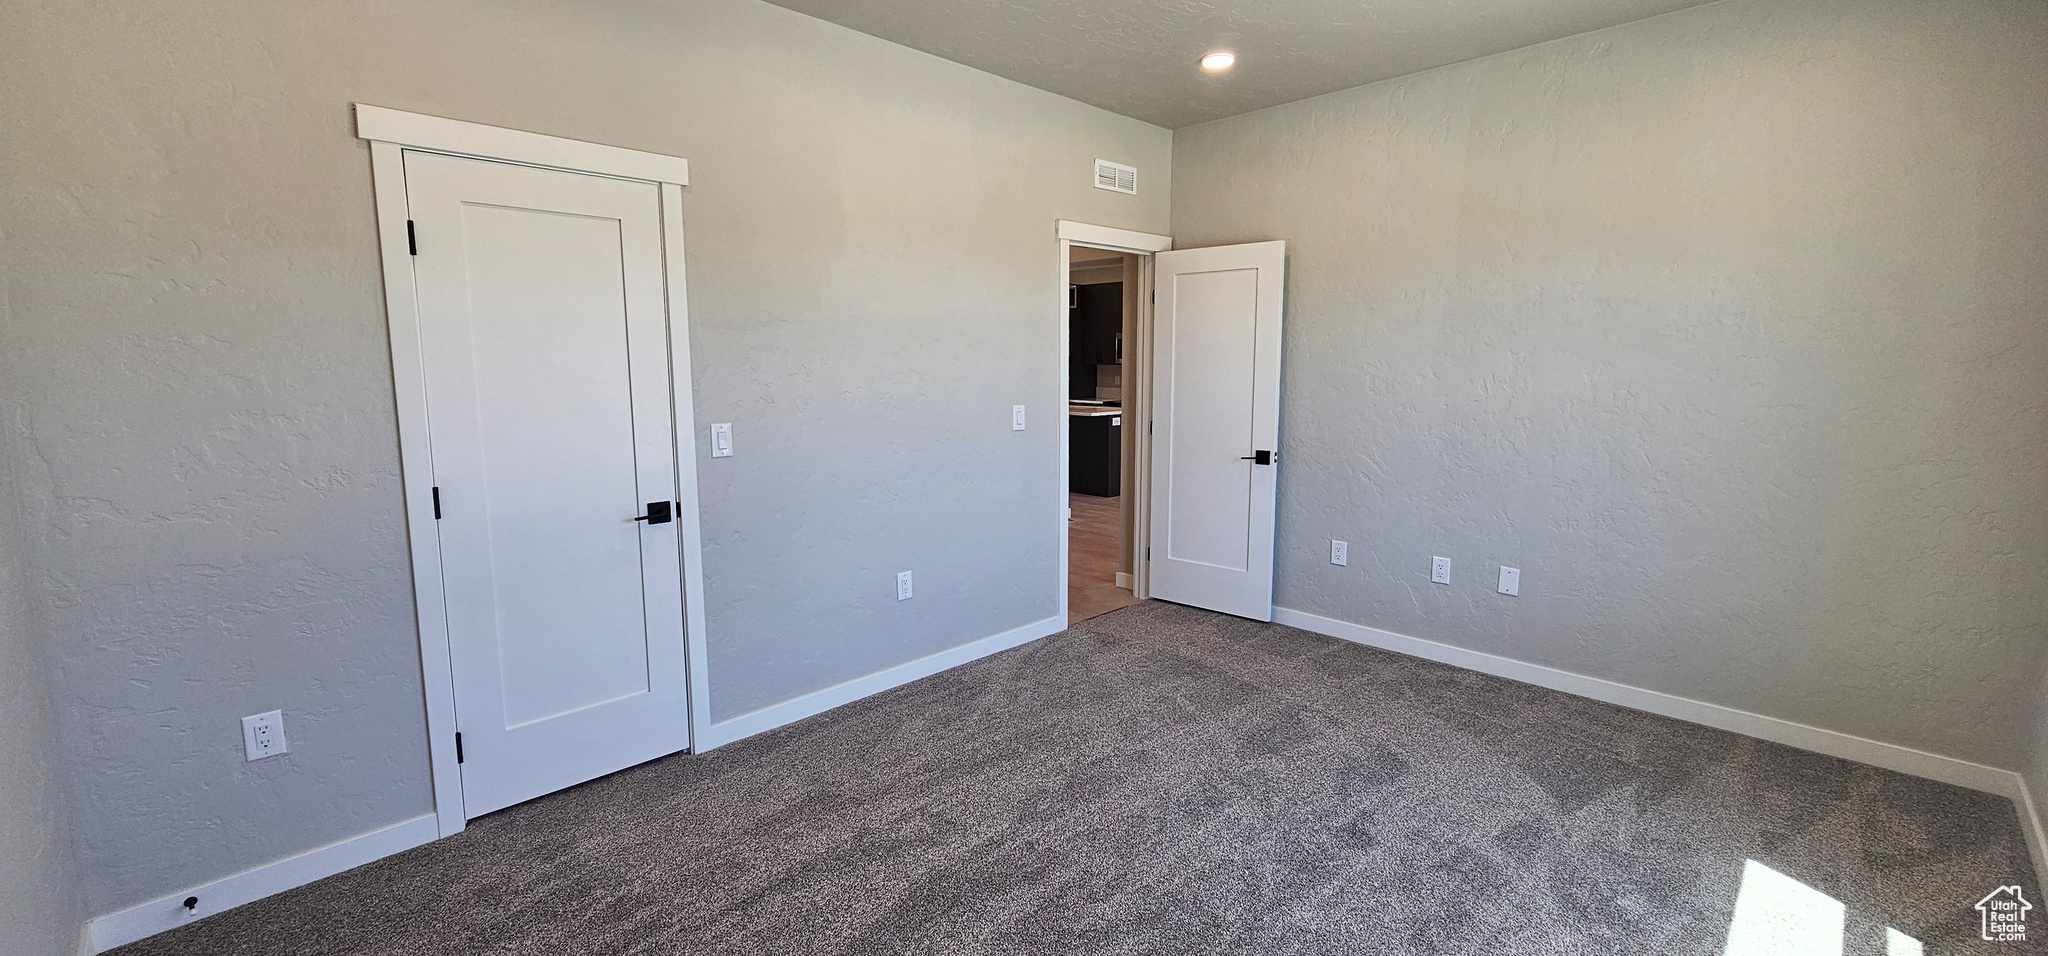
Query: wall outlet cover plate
(263, 735)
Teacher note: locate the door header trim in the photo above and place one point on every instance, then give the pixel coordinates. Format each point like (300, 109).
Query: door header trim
(442, 135)
(1111, 238)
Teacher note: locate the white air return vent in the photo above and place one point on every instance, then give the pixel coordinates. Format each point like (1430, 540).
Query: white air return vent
(1116, 177)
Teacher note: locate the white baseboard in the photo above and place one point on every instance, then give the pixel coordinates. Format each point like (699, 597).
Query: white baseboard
(817, 702)
(168, 912)
(148, 919)
(1906, 760)
(1126, 580)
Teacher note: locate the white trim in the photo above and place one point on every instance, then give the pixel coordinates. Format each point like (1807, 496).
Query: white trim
(1106, 237)
(1906, 760)
(1063, 430)
(817, 702)
(1138, 398)
(416, 480)
(696, 652)
(391, 132)
(1126, 580)
(148, 919)
(2030, 821)
(460, 138)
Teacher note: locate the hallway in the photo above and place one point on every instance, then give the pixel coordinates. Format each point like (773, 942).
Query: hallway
(1092, 558)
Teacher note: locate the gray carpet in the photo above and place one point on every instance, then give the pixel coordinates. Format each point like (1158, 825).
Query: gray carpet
(1163, 780)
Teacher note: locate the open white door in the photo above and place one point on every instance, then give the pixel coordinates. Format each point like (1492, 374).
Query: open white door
(544, 338)
(1215, 421)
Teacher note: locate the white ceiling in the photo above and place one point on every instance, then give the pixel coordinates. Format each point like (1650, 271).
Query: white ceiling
(1137, 57)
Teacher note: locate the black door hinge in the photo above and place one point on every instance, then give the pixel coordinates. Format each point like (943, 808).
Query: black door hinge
(437, 502)
(1148, 554)
(412, 242)
(458, 746)
(1155, 295)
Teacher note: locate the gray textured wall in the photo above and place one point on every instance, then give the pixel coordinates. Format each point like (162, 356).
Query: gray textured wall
(190, 260)
(39, 916)
(1729, 328)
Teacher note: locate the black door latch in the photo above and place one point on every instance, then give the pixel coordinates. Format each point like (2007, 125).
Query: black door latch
(1260, 457)
(658, 512)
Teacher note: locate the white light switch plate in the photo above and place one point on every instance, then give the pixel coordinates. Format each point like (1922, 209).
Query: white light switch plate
(1016, 418)
(1439, 570)
(1510, 580)
(263, 735)
(721, 440)
(1340, 552)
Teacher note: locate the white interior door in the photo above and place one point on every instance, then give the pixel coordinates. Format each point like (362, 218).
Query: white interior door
(1215, 422)
(544, 332)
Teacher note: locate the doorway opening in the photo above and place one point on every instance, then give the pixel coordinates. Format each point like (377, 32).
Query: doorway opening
(1103, 286)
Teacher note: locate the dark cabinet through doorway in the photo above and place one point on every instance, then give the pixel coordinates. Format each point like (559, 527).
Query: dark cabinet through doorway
(1095, 463)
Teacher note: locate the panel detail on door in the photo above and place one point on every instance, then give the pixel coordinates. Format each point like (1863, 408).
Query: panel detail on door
(1211, 416)
(555, 406)
(543, 327)
(1216, 395)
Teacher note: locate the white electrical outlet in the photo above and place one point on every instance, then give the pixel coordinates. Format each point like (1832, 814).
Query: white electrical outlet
(1016, 418)
(1439, 570)
(1510, 580)
(1340, 552)
(902, 585)
(263, 735)
(721, 440)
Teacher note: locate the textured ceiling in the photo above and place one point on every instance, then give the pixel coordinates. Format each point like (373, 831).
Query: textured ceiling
(1137, 57)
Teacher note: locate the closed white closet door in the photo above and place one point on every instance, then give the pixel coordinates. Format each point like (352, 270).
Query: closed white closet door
(543, 327)
(1215, 424)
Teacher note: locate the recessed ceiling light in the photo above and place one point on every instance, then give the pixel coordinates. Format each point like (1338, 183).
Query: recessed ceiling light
(1219, 61)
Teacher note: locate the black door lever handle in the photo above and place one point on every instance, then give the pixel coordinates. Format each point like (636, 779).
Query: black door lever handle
(658, 512)
(1260, 457)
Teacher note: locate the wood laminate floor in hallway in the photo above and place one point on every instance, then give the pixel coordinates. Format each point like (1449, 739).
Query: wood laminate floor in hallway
(1092, 558)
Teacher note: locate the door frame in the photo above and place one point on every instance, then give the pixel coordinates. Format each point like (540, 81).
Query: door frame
(390, 133)
(1137, 389)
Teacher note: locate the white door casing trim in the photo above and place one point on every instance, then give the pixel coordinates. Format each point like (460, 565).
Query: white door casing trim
(1109, 237)
(390, 132)
(1138, 398)
(477, 141)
